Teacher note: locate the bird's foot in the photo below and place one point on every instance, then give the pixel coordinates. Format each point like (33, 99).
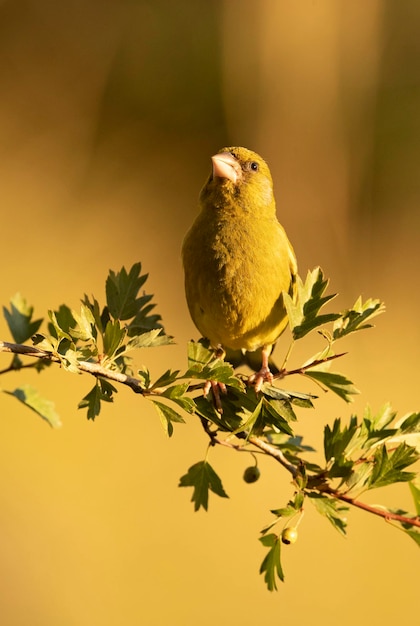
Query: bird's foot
(261, 377)
(216, 389)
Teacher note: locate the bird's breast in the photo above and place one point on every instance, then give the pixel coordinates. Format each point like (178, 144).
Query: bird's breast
(235, 272)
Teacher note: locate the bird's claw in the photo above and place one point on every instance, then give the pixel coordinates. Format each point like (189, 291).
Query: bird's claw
(261, 377)
(216, 388)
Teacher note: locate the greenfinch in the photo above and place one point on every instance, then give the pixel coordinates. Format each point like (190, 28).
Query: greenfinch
(238, 260)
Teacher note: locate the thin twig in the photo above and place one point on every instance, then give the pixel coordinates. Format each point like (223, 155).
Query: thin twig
(278, 455)
(387, 515)
(301, 370)
(16, 368)
(274, 452)
(95, 369)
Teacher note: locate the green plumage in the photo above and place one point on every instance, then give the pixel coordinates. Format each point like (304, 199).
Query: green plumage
(237, 257)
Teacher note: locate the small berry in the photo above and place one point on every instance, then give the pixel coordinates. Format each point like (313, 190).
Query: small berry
(251, 474)
(289, 535)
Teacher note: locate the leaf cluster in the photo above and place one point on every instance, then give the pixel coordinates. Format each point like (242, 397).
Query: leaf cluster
(102, 335)
(361, 454)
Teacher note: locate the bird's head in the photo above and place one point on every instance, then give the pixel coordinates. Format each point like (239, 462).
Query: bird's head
(242, 177)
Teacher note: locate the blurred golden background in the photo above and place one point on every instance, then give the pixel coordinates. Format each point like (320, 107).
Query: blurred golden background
(108, 117)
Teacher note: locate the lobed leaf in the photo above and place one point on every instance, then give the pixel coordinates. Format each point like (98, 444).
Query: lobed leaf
(271, 565)
(336, 439)
(355, 319)
(378, 421)
(30, 397)
(331, 509)
(176, 393)
(303, 309)
(165, 379)
(415, 492)
(414, 534)
(19, 319)
(150, 339)
(102, 391)
(203, 479)
(337, 383)
(167, 416)
(113, 338)
(388, 467)
(199, 353)
(84, 328)
(121, 292)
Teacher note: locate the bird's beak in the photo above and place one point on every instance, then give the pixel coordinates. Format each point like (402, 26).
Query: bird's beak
(226, 166)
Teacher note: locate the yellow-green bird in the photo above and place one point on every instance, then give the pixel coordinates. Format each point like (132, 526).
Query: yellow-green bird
(238, 260)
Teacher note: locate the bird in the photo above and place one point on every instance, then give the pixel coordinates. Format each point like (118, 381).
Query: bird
(238, 260)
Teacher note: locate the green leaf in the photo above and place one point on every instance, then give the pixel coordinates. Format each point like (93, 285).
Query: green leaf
(265, 413)
(376, 423)
(113, 337)
(253, 422)
(102, 392)
(407, 431)
(101, 319)
(357, 475)
(303, 400)
(150, 339)
(166, 379)
(405, 526)
(167, 416)
(56, 330)
(85, 325)
(303, 309)
(331, 509)
(44, 342)
(121, 292)
(29, 396)
(19, 319)
(415, 492)
(229, 420)
(414, 534)
(293, 444)
(64, 320)
(271, 565)
(409, 423)
(284, 408)
(143, 321)
(337, 383)
(277, 414)
(293, 507)
(285, 511)
(176, 393)
(388, 467)
(144, 377)
(203, 478)
(355, 319)
(337, 439)
(69, 360)
(202, 365)
(199, 354)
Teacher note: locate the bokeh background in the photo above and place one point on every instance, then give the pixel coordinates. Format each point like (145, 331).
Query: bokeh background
(109, 112)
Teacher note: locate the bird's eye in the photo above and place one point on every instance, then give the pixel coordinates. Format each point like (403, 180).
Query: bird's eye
(254, 166)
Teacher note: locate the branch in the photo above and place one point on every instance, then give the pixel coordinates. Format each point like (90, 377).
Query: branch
(255, 441)
(95, 369)
(274, 452)
(278, 455)
(387, 515)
